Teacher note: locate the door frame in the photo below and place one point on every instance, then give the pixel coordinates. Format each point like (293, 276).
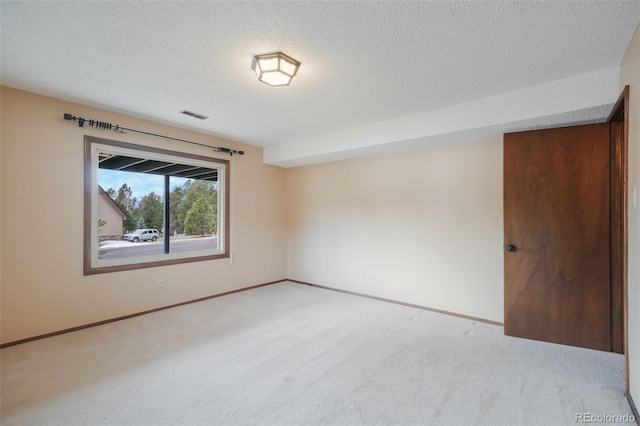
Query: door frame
(619, 140)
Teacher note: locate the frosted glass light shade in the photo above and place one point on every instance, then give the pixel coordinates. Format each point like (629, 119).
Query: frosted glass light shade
(275, 69)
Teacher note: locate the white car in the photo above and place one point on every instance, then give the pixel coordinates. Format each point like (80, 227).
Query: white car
(142, 235)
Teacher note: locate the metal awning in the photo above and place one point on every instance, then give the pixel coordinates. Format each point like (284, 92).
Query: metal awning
(155, 167)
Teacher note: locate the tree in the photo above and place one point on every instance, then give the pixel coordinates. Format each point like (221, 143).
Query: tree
(125, 197)
(201, 219)
(127, 203)
(194, 190)
(175, 199)
(150, 211)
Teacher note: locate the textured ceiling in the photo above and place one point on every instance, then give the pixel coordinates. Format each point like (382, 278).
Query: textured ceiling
(362, 62)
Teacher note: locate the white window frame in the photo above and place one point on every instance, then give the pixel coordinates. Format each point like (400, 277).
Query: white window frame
(94, 265)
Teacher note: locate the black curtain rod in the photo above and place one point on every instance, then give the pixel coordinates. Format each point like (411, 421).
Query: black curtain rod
(114, 127)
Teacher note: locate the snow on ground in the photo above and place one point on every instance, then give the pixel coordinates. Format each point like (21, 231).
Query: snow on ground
(109, 244)
(116, 244)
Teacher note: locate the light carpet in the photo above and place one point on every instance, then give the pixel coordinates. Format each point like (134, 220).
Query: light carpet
(289, 354)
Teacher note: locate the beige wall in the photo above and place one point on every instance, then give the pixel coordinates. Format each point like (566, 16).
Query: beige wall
(423, 228)
(43, 287)
(630, 74)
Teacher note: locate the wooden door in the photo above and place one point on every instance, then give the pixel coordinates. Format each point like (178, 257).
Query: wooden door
(556, 224)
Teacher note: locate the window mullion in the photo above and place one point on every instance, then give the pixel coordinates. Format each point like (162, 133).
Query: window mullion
(167, 204)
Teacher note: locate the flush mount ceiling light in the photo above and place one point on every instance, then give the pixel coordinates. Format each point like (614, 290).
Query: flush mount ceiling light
(275, 69)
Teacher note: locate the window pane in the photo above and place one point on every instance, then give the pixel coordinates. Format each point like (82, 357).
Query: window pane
(133, 203)
(193, 215)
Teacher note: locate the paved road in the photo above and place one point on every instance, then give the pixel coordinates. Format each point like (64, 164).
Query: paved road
(176, 245)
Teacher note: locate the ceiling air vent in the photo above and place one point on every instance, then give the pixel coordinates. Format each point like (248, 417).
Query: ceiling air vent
(193, 114)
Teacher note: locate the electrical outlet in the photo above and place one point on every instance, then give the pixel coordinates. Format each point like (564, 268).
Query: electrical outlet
(160, 282)
(364, 272)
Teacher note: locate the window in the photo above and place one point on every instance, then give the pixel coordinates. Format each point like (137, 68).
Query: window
(147, 207)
